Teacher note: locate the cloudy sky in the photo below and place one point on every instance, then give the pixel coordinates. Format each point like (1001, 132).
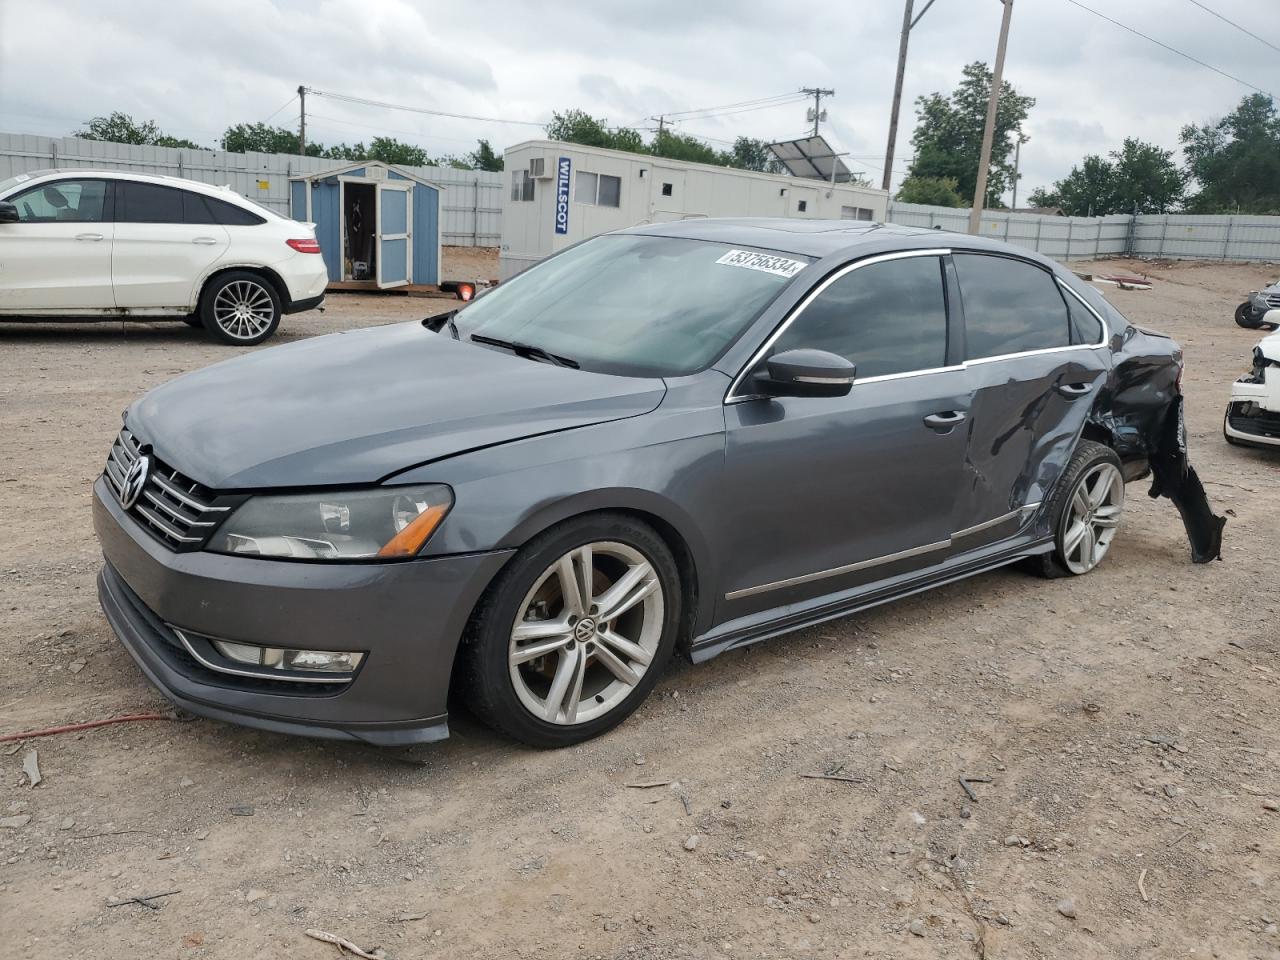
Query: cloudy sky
(197, 66)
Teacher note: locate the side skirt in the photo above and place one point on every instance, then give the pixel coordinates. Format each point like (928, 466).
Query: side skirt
(784, 619)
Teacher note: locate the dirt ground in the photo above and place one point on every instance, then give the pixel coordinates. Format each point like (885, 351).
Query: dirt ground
(1129, 722)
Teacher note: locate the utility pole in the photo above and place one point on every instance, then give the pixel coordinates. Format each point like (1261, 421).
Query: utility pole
(908, 24)
(662, 123)
(817, 93)
(897, 95)
(988, 133)
(302, 121)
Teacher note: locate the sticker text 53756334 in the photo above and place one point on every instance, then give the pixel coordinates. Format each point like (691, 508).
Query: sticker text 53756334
(764, 262)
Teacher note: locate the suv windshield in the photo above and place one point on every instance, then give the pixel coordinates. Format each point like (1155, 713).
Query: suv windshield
(634, 304)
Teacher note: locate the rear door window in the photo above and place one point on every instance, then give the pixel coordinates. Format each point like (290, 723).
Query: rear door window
(888, 317)
(149, 203)
(1010, 306)
(230, 215)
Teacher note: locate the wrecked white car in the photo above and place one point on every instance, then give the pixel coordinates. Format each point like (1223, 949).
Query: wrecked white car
(1253, 415)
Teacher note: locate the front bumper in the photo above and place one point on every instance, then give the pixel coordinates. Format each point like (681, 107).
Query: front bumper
(407, 616)
(1253, 415)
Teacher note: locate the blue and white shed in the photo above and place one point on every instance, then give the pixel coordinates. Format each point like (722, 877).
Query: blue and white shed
(375, 222)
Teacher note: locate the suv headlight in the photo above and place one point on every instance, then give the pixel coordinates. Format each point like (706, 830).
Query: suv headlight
(391, 523)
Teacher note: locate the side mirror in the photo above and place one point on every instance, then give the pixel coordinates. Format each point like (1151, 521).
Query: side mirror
(8, 212)
(805, 373)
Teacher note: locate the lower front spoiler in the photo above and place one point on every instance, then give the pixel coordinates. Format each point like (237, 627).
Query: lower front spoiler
(140, 633)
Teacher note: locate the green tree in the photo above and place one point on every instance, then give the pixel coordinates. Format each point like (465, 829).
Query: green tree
(1138, 178)
(342, 151)
(937, 191)
(578, 126)
(948, 136)
(679, 146)
(750, 154)
(260, 138)
(483, 157)
(1236, 161)
(1146, 179)
(391, 150)
(122, 128)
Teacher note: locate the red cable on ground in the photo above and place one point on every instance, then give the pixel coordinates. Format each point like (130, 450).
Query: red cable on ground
(73, 727)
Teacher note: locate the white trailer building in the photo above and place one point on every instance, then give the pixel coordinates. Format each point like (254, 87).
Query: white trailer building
(559, 193)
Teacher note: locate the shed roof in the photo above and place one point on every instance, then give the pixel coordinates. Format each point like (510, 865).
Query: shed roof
(405, 172)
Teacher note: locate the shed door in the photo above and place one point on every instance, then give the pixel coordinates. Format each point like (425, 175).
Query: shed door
(395, 234)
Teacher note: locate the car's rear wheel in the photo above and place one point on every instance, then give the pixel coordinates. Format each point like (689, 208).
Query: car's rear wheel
(1246, 318)
(1086, 509)
(575, 631)
(240, 308)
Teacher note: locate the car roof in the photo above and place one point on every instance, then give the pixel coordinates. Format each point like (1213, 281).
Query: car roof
(209, 189)
(823, 238)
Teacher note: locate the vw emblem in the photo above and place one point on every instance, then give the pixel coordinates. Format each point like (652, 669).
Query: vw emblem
(584, 630)
(135, 479)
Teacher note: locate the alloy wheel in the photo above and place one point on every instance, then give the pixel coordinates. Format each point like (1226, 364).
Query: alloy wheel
(1092, 516)
(243, 309)
(586, 633)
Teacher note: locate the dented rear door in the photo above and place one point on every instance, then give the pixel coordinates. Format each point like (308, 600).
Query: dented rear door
(1034, 373)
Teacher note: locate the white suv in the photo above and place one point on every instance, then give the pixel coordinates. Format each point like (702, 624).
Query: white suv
(94, 244)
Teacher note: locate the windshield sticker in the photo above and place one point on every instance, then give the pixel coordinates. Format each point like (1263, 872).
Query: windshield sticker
(765, 263)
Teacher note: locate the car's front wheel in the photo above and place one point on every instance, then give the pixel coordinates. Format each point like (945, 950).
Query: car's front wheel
(240, 308)
(1246, 318)
(1085, 510)
(575, 631)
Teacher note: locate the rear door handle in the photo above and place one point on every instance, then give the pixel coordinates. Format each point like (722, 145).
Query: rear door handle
(945, 420)
(1073, 390)
(88, 236)
(205, 240)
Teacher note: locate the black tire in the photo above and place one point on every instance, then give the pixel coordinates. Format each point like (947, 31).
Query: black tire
(194, 321)
(259, 318)
(1088, 456)
(1246, 318)
(485, 673)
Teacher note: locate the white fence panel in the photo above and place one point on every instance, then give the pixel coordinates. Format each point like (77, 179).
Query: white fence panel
(472, 200)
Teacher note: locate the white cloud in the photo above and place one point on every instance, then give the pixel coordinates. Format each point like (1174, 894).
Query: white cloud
(197, 67)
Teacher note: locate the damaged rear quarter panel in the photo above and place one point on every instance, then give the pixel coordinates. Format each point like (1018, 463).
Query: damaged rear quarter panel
(1140, 410)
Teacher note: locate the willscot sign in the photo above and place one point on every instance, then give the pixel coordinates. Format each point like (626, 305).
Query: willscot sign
(562, 195)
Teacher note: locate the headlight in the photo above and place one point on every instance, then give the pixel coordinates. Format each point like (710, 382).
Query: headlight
(385, 524)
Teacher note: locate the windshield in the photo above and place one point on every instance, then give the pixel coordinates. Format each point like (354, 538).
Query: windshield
(6, 185)
(633, 304)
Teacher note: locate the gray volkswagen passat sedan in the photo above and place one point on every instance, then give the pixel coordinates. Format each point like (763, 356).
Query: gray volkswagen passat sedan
(679, 437)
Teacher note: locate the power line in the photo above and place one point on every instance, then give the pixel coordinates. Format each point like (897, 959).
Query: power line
(1215, 13)
(794, 98)
(363, 101)
(279, 108)
(729, 106)
(1159, 43)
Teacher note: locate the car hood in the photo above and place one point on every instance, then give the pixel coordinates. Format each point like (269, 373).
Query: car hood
(1269, 347)
(356, 407)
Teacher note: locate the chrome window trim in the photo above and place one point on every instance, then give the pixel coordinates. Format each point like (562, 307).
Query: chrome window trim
(252, 674)
(730, 396)
(837, 571)
(1106, 329)
(809, 298)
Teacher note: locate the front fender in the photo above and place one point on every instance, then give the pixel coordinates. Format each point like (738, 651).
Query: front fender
(666, 467)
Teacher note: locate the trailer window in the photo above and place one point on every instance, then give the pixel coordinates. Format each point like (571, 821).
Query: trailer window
(521, 186)
(597, 189)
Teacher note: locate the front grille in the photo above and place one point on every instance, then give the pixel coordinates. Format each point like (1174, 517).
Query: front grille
(1273, 300)
(1262, 423)
(177, 511)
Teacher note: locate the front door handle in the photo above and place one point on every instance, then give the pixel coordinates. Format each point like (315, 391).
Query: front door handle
(944, 420)
(205, 240)
(1073, 390)
(88, 236)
